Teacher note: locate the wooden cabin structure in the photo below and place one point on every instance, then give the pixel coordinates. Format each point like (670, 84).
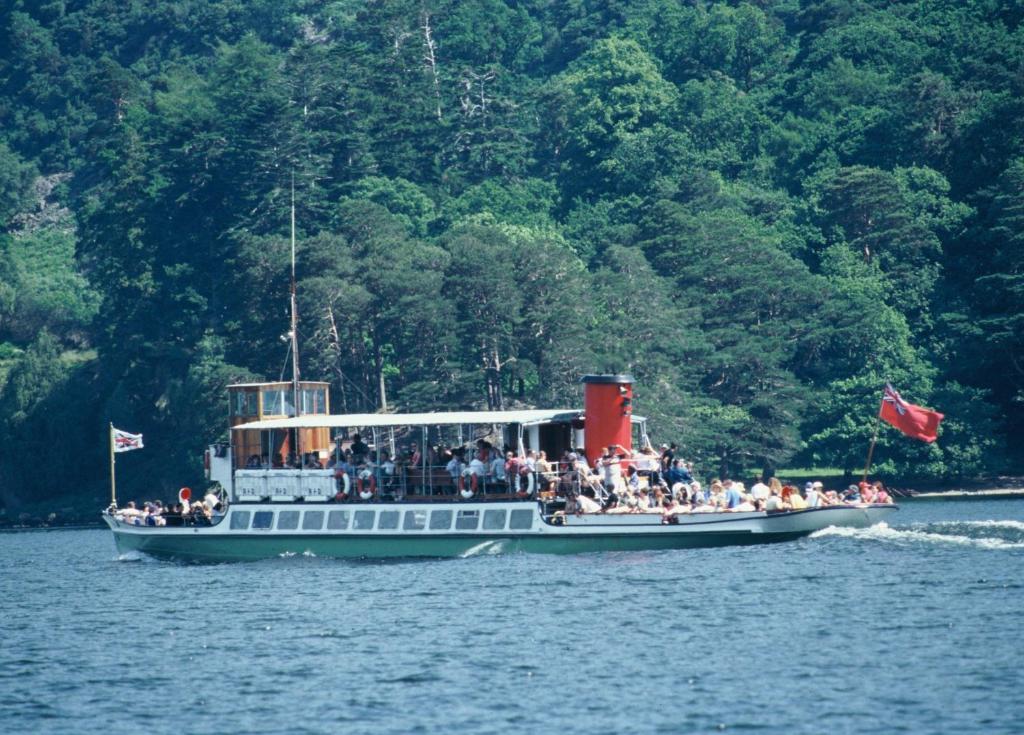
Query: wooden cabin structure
(250, 402)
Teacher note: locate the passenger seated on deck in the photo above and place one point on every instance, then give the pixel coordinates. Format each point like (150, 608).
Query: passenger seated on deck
(717, 497)
(702, 504)
(359, 449)
(696, 491)
(746, 505)
(502, 468)
(387, 467)
(173, 515)
(852, 494)
(586, 503)
(128, 512)
(867, 493)
(200, 516)
(210, 500)
(632, 479)
(774, 503)
(881, 494)
(516, 473)
(455, 465)
(646, 463)
(253, 463)
(813, 494)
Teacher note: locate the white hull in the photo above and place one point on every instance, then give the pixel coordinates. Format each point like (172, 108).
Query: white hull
(372, 530)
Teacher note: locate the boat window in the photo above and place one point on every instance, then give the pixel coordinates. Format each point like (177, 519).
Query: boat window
(314, 401)
(238, 404)
(263, 520)
(337, 520)
(521, 519)
(388, 519)
(441, 520)
(415, 520)
(250, 404)
(467, 520)
(239, 520)
(363, 520)
(287, 520)
(494, 520)
(272, 405)
(313, 520)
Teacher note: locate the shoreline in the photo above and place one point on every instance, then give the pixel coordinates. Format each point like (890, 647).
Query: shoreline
(1002, 493)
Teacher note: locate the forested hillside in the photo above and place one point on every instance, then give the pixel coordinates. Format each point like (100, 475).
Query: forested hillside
(763, 210)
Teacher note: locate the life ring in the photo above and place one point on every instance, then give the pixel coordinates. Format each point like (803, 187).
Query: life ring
(468, 492)
(531, 484)
(366, 493)
(344, 484)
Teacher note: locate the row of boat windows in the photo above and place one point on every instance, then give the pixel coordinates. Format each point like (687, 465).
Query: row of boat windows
(494, 519)
(279, 402)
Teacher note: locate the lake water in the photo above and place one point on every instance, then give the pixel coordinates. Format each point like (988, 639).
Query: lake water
(913, 627)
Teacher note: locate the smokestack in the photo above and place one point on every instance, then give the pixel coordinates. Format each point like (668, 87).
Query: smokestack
(607, 413)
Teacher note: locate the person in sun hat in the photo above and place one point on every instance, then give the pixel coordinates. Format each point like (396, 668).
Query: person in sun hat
(813, 494)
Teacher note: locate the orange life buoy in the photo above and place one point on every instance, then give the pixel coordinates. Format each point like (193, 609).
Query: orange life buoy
(468, 492)
(364, 493)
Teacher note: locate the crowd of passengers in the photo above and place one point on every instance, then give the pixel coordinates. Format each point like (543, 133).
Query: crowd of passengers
(183, 513)
(648, 483)
(644, 481)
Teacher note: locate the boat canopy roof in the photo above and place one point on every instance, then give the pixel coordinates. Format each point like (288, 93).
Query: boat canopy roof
(440, 418)
(437, 418)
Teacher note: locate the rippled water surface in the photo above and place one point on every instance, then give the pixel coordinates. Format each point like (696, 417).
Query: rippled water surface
(912, 627)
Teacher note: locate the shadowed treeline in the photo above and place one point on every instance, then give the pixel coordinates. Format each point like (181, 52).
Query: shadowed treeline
(763, 210)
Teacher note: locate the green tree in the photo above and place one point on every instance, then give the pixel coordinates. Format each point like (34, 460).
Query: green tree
(613, 90)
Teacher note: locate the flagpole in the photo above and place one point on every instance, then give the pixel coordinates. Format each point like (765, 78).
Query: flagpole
(113, 481)
(874, 438)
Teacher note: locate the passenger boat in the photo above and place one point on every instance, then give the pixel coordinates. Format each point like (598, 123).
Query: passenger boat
(416, 508)
(419, 509)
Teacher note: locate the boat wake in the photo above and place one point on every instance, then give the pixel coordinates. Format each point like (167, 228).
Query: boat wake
(487, 547)
(131, 556)
(994, 535)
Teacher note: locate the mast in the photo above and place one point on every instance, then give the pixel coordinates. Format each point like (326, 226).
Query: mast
(294, 333)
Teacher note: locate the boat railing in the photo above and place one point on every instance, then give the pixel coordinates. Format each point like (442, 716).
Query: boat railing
(420, 482)
(402, 481)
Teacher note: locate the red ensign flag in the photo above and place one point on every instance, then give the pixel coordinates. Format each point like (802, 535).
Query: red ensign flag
(920, 423)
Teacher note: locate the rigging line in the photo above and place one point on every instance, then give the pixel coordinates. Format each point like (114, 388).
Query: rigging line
(287, 357)
(355, 386)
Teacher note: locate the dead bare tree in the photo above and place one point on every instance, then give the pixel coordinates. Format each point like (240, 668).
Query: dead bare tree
(430, 57)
